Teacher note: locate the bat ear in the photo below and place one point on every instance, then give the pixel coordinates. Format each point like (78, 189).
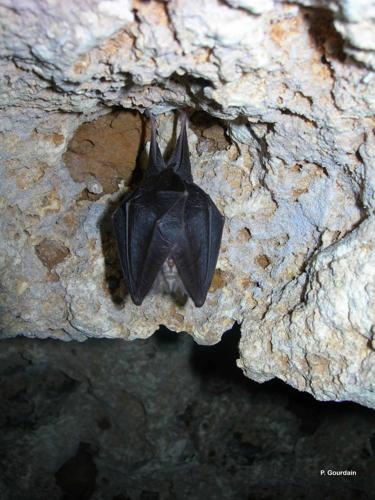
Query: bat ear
(180, 161)
(155, 161)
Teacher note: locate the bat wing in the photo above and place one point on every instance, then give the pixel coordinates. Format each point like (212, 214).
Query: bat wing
(197, 249)
(142, 246)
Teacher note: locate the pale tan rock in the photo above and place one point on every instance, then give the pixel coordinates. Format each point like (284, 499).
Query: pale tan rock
(318, 334)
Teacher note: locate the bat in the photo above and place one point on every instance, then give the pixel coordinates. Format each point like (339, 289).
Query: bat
(168, 218)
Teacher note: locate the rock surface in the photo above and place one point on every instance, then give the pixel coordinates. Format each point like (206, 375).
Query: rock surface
(281, 103)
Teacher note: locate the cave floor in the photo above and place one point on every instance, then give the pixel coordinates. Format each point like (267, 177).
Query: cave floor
(164, 419)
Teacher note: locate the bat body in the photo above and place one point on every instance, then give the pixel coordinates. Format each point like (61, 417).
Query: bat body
(168, 218)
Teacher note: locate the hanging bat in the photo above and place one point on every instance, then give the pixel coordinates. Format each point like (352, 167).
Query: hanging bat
(168, 218)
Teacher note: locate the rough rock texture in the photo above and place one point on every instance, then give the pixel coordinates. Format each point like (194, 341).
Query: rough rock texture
(166, 419)
(281, 101)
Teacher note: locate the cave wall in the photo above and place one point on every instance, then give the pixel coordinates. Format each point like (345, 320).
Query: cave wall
(281, 104)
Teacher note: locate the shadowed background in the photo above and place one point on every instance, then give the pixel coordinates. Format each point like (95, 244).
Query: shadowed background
(163, 419)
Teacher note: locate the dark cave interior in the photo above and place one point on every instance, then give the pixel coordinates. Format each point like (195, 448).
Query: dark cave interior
(165, 418)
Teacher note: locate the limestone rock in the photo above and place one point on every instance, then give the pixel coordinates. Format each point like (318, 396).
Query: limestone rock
(281, 105)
